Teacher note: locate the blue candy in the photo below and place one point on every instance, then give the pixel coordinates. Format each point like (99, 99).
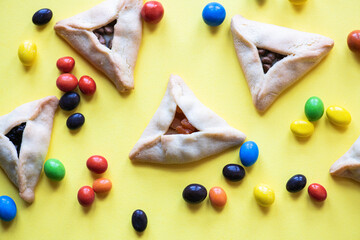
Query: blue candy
(249, 153)
(213, 14)
(7, 208)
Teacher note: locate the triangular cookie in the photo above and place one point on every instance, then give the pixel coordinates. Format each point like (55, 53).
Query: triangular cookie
(108, 36)
(349, 164)
(24, 139)
(274, 57)
(183, 130)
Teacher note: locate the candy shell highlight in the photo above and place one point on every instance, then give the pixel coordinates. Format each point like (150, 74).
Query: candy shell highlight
(302, 128)
(264, 195)
(338, 116)
(27, 53)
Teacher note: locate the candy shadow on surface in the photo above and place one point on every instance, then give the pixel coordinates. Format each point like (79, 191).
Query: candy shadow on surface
(296, 195)
(337, 128)
(261, 2)
(6, 225)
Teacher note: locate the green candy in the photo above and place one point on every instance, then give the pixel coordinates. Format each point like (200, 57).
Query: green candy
(314, 108)
(54, 169)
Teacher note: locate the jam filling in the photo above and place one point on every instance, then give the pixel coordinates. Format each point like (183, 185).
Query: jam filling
(180, 124)
(268, 58)
(105, 34)
(15, 136)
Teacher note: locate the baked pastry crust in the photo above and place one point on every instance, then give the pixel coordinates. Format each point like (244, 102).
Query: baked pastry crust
(349, 164)
(303, 51)
(24, 169)
(117, 63)
(214, 134)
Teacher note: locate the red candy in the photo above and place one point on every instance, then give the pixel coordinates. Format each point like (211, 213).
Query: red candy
(87, 85)
(86, 196)
(317, 192)
(97, 164)
(65, 64)
(353, 41)
(152, 12)
(66, 82)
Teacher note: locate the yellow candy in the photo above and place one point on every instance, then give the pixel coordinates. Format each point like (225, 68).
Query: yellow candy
(27, 53)
(264, 195)
(297, 2)
(302, 128)
(338, 116)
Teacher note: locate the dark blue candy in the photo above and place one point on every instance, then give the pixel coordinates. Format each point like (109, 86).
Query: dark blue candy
(69, 101)
(139, 220)
(233, 172)
(296, 183)
(249, 153)
(7, 208)
(43, 16)
(194, 193)
(75, 121)
(213, 14)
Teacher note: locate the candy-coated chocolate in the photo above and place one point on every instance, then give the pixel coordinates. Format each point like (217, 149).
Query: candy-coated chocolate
(297, 2)
(264, 195)
(65, 64)
(139, 220)
(234, 172)
(66, 82)
(217, 196)
(353, 41)
(86, 196)
(152, 12)
(102, 185)
(194, 193)
(249, 153)
(27, 53)
(317, 192)
(314, 109)
(54, 169)
(87, 85)
(7, 208)
(338, 116)
(296, 183)
(213, 14)
(69, 101)
(42, 16)
(97, 164)
(302, 128)
(75, 121)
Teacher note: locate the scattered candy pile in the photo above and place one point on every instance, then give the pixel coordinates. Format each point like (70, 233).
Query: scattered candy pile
(314, 110)
(86, 194)
(67, 83)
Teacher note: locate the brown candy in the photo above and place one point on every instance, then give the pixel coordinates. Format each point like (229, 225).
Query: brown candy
(268, 58)
(181, 124)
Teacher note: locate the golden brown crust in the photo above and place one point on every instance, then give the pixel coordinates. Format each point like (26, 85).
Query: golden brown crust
(214, 134)
(303, 51)
(24, 170)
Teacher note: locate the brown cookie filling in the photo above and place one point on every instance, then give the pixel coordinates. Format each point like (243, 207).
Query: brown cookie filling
(268, 58)
(105, 34)
(15, 136)
(180, 124)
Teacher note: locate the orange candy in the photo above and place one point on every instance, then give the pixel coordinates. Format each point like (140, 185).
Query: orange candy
(102, 185)
(217, 196)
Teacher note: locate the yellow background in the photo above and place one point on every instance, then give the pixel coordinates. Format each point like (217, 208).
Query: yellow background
(205, 58)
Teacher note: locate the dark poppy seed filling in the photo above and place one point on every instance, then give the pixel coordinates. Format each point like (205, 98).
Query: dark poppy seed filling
(105, 34)
(15, 136)
(268, 58)
(180, 124)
